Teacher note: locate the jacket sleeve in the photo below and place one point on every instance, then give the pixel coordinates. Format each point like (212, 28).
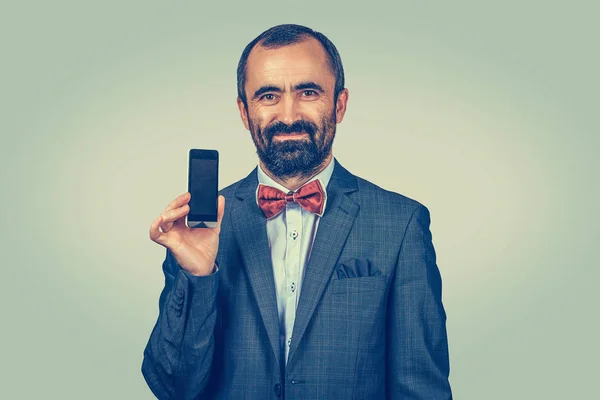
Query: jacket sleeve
(417, 356)
(178, 356)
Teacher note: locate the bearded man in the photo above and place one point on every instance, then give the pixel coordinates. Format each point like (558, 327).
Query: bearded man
(315, 283)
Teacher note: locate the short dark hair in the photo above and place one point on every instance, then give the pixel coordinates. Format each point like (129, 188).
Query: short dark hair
(285, 35)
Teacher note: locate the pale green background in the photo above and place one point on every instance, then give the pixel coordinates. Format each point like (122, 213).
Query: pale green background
(485, 113)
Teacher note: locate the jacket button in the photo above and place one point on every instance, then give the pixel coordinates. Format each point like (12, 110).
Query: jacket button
(277, 389)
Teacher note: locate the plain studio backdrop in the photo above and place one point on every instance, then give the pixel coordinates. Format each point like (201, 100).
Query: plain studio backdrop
(485, 113)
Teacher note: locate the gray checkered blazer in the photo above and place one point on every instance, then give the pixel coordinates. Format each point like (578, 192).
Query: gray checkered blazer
(370, 323)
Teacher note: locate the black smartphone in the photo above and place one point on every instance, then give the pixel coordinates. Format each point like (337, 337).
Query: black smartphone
(203, 185)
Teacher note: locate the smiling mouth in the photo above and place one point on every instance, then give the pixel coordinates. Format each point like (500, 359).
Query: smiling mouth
(291, 134)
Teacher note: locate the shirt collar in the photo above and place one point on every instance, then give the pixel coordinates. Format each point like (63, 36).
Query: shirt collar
(324, 176)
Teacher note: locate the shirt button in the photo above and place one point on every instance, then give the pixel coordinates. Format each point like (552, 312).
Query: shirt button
(293, 287)
(294, 234)
(289, 341)
(277, 389)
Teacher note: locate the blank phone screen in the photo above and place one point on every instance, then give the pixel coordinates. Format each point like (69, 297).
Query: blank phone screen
(203, 188)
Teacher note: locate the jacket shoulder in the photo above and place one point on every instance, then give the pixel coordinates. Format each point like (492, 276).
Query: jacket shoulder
(228, 191)
(383, 200)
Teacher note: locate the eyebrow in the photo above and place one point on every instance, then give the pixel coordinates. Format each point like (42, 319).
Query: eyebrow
(301, 86)
(308, 85)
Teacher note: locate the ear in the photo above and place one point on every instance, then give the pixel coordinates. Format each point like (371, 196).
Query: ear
(243, 113)
(340, 105)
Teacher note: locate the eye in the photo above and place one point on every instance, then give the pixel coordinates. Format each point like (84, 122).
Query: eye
(309, 93)
(268, 98)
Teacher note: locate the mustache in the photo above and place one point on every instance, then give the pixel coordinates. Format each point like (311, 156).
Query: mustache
(300, 126)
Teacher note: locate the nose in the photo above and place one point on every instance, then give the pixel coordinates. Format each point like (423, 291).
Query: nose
(288, 112)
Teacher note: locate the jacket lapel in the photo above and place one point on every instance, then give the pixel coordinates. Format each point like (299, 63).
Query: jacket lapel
(332, 232)
(250, 229)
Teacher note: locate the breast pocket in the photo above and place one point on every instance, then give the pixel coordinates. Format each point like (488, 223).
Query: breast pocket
(355, 312)
(360, 284)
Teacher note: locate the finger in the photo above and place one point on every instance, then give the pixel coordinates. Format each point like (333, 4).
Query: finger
(220, 212)
(155, 234)
(165, 227)
(179, 201)
(171, 216)
(180, 222)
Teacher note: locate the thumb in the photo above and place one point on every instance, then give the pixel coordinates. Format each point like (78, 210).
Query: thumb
(220, 212)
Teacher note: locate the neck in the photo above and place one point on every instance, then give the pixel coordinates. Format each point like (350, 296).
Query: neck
(294, 182)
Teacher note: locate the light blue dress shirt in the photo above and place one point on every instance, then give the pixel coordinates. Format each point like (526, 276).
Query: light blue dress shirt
(291, 234)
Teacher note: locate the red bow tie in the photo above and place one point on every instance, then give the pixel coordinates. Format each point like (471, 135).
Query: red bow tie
(311, 197)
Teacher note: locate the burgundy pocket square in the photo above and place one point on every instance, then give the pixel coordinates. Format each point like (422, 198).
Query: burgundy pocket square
(355, 268)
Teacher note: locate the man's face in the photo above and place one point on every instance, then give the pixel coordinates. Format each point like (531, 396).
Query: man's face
(291, 110)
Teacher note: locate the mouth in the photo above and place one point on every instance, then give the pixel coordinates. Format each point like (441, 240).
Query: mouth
(291, 134)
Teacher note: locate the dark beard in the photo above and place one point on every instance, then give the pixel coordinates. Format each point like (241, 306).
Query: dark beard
(300, 158)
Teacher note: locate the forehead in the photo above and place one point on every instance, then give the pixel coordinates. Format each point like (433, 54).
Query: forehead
(303, 61)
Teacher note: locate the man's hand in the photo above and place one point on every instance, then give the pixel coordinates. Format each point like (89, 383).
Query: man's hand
(195, 249)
